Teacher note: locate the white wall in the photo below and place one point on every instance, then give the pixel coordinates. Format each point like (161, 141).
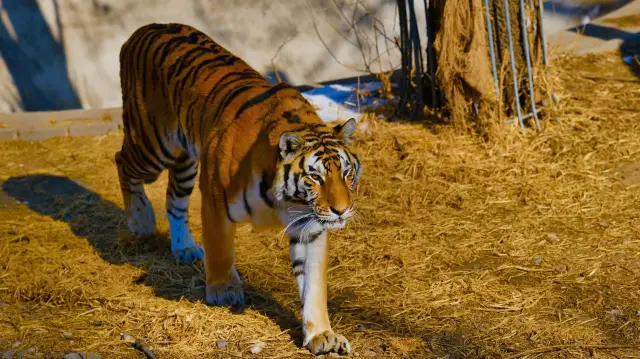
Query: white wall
(92, 31)
(63, 54)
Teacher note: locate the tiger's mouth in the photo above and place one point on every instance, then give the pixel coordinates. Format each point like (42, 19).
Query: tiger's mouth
(305, 219)
(332, 223)
(323, 222)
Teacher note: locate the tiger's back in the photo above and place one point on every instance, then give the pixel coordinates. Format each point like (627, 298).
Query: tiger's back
(165, 71)
(263, 154)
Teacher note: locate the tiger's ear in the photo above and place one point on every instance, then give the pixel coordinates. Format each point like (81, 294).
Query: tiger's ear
(346, 130)
(289, 144)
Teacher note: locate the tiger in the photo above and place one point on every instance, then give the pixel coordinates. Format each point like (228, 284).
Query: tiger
(262, 153)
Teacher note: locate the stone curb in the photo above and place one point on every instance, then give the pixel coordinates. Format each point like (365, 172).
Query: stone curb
(37, 126)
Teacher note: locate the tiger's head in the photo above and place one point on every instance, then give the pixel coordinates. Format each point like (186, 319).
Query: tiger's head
(316, 175)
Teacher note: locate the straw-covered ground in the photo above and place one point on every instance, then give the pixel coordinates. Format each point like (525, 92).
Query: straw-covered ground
(461, 249)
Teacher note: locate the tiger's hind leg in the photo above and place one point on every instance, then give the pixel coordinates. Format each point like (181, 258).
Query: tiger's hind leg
(182, 178)
(133, 175)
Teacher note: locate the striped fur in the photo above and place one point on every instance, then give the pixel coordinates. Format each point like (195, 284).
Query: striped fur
(262, 153)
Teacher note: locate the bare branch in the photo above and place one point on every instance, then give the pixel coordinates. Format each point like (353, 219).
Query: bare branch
(289, 37)
(315, 27)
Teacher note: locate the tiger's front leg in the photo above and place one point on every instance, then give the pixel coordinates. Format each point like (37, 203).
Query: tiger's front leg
(309, 256)
(223, 284)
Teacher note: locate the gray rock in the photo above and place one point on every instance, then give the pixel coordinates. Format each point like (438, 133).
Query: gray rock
(82, 356)
(257, 347)
(369, 354)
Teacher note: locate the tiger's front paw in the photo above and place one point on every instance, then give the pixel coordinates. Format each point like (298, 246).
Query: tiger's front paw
(228, 293)
(329, 342)
(189, 254)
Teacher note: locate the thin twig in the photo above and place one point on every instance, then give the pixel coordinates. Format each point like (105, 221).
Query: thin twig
(315, 27)
(290, 37)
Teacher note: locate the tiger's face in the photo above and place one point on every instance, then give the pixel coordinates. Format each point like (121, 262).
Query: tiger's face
(316, 176)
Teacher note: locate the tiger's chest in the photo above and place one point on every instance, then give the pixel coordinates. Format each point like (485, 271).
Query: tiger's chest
(254, 205)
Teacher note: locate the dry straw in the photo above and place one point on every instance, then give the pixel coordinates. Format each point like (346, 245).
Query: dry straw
(463, 247)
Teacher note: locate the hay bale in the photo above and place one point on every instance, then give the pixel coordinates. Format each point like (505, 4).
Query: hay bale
(464, 71)
(461, 56)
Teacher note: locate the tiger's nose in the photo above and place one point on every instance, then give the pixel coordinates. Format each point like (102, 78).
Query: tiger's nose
(338, 211)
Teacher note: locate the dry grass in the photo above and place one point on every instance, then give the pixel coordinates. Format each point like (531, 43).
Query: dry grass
(628, 21)
(462, 248)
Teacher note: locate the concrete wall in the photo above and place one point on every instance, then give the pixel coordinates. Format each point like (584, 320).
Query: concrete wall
(63, 54)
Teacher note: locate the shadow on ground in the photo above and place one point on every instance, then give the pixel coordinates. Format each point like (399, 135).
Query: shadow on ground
(630, 52)
(569, 9)
(629, 48)
(99, 221)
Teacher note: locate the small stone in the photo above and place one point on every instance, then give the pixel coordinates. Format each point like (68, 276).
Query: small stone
(561, 268)
(553, 237)
(32, 350)
(221, 344)
(67, 335)
(537, 260)
(356, 354)
(127, 338)
(369, 354)
(81, 356)
(16, 344)
(8, 355)
(256, 347)
(613, 313)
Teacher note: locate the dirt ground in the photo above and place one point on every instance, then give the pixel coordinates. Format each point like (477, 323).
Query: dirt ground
(524, 247)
